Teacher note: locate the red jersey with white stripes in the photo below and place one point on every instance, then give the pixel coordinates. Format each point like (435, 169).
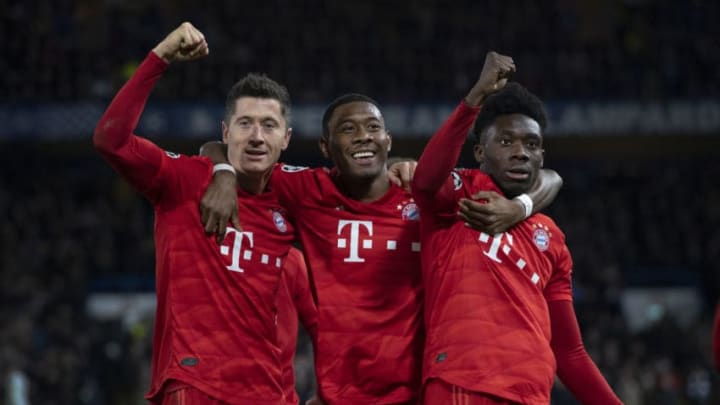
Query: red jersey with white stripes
(216, 305)
(486, 310)
(364, 265)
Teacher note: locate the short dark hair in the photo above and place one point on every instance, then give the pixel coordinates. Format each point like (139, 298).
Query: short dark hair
(342, 100)
(512, 99)
(261, 86)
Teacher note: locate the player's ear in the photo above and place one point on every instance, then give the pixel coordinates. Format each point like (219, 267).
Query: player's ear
(323, 144)
(389, 147)
(478, 150)
(225, 131)
(286, 138)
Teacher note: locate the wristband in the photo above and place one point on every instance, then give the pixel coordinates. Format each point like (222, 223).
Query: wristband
(527, 203)
(226, 167)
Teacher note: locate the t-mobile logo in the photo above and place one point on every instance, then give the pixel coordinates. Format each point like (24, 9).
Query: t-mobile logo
(497, 245)
(354, 238)
(237, 248)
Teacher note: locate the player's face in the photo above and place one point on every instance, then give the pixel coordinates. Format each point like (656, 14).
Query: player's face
(511, 153)
(256, 134)
(358, 143)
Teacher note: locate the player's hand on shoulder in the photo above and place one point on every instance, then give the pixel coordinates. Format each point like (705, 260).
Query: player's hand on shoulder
(401, 173)
(185, 43)
(219, 205)
(494, 76)
(490, 212)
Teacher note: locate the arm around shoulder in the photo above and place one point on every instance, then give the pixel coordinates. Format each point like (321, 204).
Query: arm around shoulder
(545, 190)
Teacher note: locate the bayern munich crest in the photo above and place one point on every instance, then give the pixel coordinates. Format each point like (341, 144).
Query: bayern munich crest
(410, 212)
(541, 237)
(279, 221)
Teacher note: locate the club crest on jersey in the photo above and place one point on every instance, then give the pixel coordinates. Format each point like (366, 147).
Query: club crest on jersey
(541, 237)
(279, 221)
(457, 181)
(172, 155)
(410, 212)
(292, 169)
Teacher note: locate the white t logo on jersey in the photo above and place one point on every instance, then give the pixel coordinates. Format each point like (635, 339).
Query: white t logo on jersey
(237, 248)
(497, 245)
(497, 240)
(354, 239)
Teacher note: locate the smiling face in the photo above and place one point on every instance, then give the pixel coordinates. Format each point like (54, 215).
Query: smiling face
(510, 151)
(256, 133)
(357, 141)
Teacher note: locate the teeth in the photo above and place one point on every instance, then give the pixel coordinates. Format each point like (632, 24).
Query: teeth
(360, 155)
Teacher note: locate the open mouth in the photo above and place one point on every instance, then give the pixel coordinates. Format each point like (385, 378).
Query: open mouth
(363, 156)
(255, 154)
(518, 174)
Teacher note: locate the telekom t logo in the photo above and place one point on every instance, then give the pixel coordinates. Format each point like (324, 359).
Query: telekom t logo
(354, 238)
(497, 245)
(237, 248)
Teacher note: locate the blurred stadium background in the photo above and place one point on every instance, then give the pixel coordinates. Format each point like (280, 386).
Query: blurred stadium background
(632, 87)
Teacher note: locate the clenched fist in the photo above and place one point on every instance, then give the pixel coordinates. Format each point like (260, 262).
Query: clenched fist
(494, 76)
(185, 43)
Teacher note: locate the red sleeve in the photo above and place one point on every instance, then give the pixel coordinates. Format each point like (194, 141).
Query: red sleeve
(432, 175)
(135, 158)
(301, 295)
(289, 184)
(559, 287)
(716, 339)
(575, 368)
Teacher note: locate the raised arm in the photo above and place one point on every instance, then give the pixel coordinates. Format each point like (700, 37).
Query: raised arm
(136, 158)
(443, 150)
(576, 369)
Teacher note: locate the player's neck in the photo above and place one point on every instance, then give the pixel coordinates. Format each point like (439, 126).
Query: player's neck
(363, 189)
(253, 184)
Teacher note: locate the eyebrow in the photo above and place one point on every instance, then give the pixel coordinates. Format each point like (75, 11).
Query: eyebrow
(507, 132)
(261, 119)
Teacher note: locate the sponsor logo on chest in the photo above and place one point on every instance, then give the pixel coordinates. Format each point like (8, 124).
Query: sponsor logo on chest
(356, 236)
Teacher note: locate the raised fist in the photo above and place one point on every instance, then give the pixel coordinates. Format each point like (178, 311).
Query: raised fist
(495, 73)
(185, 43)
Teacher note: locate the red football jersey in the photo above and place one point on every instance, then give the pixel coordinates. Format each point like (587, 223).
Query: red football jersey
(486, 299)
(216, 305)
(294, 301)
(364, 265)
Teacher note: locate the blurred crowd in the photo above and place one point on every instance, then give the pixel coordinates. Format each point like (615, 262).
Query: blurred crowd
(427, 50)
(70, 227)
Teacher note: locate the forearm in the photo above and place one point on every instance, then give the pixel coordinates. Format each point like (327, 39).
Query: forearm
(216, 151)
(576, 369)
(115, 128)
(443, 150)
(135, 158)
(545, 189)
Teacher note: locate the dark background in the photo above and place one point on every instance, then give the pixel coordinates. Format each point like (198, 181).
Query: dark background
(641, 209)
